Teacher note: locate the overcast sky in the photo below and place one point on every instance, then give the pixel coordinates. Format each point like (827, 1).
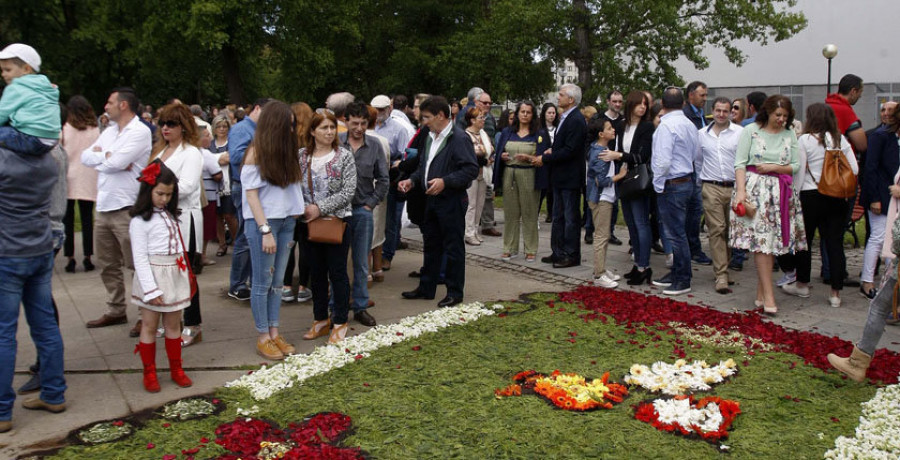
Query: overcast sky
(865, 32)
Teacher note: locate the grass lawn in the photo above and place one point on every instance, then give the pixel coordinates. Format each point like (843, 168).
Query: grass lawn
(433, 396)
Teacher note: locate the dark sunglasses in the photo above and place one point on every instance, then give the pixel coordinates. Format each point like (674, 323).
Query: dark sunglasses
(169, 123)
(736, 107)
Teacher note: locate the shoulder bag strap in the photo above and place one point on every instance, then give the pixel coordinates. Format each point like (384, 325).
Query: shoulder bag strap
(312, 193)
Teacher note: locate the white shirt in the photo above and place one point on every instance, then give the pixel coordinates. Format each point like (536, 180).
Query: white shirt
(812, 157)
(187, 164)
(277, 202)
(157, 236)
(717, 152)
(129, 148)
(628, 137)
(436, 141)
(211, 168)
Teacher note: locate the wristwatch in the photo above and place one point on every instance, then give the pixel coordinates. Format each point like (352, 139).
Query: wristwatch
(265, 229)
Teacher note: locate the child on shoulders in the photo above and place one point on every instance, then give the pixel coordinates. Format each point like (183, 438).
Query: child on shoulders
(29, 109)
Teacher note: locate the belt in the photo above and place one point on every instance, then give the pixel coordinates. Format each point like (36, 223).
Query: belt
(519, 167)
(680, 180)
(719, 183)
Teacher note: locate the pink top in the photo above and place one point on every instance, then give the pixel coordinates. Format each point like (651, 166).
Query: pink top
(82, 179)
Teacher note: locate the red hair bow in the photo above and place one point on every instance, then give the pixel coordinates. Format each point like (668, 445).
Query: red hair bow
(150, 173)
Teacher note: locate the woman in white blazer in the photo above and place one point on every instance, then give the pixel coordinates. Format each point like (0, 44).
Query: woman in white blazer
(177, 148)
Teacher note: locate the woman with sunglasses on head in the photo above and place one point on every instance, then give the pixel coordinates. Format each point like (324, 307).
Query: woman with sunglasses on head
(177, 148)
(329, 183)
(272, 201)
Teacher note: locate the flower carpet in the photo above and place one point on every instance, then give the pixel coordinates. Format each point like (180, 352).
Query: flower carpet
(521, 379)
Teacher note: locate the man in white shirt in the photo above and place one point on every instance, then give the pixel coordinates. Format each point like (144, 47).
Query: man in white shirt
(118, 155)
(718, 144)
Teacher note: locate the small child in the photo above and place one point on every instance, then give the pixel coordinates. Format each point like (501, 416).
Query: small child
(161, 273)
(29, 108)
(601, 194)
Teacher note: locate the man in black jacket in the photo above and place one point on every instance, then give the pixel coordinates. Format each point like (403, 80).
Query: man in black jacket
(565, 161)
(447, 167)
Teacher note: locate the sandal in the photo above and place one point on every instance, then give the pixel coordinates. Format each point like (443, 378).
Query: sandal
(222, 251)
(529, 257)
(191, 335)
(770, 311)
(505, 256)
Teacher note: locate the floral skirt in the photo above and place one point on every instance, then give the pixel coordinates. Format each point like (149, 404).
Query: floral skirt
(762, 233)
(171, 279)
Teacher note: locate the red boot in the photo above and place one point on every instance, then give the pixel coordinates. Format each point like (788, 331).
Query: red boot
(148, 357)
(173, 350)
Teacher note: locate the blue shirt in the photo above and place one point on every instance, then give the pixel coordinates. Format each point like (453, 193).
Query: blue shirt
(239, 139)
(749, 120)
(397, 136)
(699, 113)
(676, 147)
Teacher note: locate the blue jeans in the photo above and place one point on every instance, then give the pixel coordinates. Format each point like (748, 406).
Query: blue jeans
(240, 258)
(265, 290)
(361, 228)
(637, 217)
(392, 224)
(17, 141)
(26, 281)
(565, 232)
(674, 203)
(694, 215)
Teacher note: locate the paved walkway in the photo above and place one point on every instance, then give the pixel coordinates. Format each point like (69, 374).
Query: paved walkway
(104, 379)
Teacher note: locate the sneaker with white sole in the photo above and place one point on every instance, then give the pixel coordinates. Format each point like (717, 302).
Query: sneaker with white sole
(612, 275)
(287, 294)
(604, 282)
(798, 291)
(787, 278)
(303, 295)
(835, 302)
(677, 289)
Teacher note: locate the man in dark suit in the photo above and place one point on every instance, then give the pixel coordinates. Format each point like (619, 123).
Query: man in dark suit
(445, 172)
(565, 161)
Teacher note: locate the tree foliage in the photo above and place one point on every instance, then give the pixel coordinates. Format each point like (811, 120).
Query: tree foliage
(221, 51)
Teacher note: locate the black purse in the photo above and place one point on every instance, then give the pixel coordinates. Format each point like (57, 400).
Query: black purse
(637, 182)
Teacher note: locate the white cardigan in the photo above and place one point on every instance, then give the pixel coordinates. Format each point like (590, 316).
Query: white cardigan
(187, 164)
(152, 237)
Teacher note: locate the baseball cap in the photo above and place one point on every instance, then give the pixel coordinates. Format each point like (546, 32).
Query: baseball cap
(23, 52)
(381, 101)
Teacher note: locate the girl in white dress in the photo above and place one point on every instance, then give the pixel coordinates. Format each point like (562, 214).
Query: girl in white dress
(162, 285)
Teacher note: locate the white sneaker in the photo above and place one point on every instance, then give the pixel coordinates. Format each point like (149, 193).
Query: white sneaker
(835, 302)
(798, 291)
(605, 282)
(670, 260)
(612, 276)
(788, 278)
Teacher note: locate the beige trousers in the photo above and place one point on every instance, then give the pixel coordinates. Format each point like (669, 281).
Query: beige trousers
(717, 206)
(476, 193)
(601, 212)
(112, 244)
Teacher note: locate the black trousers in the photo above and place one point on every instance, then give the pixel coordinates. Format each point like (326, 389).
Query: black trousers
(328, 262)
(86, 210)
(301, 233)
(828, 215)
(192, 312)
(443, 232)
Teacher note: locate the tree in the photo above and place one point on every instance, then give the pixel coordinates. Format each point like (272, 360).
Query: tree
(633, 43)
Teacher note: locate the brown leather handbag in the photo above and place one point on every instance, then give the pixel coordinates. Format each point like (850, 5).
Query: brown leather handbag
(323, 229)
(837, 179)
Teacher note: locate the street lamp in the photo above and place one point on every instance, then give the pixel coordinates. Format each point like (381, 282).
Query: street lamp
(829, 51)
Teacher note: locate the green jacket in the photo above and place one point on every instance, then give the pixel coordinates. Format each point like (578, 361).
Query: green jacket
(31, 105)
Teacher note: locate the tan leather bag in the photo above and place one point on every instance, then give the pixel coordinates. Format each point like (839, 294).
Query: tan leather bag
(323, 229)
(837, 179)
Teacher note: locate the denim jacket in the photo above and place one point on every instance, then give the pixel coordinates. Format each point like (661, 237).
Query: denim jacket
(597, 173)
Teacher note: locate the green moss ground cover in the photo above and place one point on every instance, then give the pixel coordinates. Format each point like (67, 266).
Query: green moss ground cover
(433, 397)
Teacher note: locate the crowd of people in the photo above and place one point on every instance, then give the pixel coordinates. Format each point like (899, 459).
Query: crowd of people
(292, 190)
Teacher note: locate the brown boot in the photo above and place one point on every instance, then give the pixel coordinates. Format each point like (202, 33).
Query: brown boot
(148, 357)
(173, 351)
(855, 366)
